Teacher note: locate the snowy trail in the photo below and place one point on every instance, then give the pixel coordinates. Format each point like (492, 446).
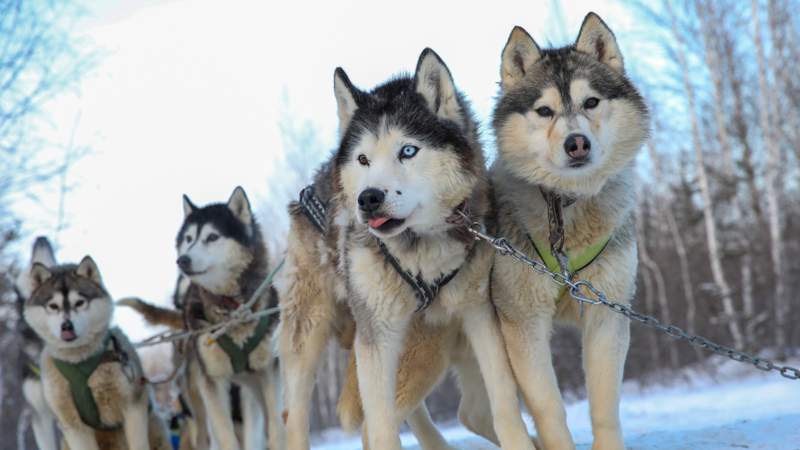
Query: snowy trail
(742, 409)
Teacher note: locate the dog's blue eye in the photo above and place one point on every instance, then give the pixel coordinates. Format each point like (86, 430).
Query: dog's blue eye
(212, 237)
(188, 239)
(408, 151)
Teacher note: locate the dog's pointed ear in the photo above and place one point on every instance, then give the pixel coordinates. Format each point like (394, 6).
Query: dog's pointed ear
(43, 252)
(88, 269)
(39, 274)
(347, 99)
(240, 206)
(519, 54)
(433, 81)
(188, 206)
(596, 39)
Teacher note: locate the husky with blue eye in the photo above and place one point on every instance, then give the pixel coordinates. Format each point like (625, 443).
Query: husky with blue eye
(91, 375)
(380, 241)
(569, 124)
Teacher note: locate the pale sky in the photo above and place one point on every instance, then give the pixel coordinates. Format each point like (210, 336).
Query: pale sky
(188, 95)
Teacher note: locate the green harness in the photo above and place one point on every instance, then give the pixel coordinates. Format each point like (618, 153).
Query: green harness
(78, 377)
(574, 263)
(240, 356)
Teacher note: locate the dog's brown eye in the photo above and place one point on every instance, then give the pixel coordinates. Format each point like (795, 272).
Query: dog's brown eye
(212, 237)
(591, 103)
(362, 159)
(80, 303)
(188, 239)
(53, 307)
(544, 111)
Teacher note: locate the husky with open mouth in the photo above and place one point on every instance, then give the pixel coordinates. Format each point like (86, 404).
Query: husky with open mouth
(91, 375)
(568, 125)
(43, 421)
(391, 250)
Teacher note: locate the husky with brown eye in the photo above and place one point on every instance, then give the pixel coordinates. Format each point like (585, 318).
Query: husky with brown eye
(91, 376)
(568, 125)
(222, 259)
(375, 246)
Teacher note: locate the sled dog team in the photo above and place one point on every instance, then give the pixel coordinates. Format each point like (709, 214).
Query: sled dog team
(379, 258)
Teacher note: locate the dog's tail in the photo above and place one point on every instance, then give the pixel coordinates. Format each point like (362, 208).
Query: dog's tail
(155, 315)
(349, 409)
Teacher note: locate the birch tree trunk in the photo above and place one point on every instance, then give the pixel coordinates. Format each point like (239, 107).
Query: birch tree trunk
(658, 278)
(770, 142)
(708, 206)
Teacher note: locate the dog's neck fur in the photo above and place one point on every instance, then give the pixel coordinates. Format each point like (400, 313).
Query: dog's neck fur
(586, 222)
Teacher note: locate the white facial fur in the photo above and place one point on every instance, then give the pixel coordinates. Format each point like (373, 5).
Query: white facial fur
(423, 189)
(217, 260)
(89, 317)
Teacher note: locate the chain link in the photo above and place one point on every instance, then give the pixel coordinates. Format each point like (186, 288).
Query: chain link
(597, 297)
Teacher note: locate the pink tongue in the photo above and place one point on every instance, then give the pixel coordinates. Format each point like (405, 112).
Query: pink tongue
(67, 335)
(375, 223)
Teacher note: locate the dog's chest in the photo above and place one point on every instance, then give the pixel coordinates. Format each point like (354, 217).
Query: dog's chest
(111, 388)
(217, 362)
(376, 280)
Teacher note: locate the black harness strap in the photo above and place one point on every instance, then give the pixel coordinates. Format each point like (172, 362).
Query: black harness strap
(314, 208)
(424, 291)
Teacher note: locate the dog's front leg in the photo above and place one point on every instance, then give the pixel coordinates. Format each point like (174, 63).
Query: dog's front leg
(272, 392)
(606, 337)
(482, 330)
(216, 399)
(80, 438)
(43, 422)
(528, 345)
(377, 346)
(135, 423)
(252, 416)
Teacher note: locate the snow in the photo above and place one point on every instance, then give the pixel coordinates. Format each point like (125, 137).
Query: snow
(736, 408)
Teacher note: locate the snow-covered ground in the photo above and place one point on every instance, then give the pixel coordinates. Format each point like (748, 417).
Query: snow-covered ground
(738, 408)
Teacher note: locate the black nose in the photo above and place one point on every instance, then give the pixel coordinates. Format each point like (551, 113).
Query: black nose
(370, 199)
(577, 146)
(184, 263)
(67, 326)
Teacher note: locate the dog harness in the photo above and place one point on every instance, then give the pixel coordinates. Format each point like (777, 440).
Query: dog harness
(240, 356)
(77, 375)
(553, 256)
(424, 291)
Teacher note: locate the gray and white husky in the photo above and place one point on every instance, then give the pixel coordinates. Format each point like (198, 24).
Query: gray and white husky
(43, 421)
(408, 163)
(91, 375)
(568, 123)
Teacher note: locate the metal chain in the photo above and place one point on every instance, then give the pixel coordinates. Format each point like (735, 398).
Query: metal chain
(504, 247)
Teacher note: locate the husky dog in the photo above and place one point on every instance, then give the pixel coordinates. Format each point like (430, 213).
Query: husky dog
(43, 421)
(568, 125)
(222, 259)
(409, 162)
(91, 375)
(222, 253)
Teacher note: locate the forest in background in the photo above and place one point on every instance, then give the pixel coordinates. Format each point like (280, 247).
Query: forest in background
(719, 216)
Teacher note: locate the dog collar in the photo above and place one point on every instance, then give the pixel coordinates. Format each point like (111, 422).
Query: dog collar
(424, 291)
(77, 375)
